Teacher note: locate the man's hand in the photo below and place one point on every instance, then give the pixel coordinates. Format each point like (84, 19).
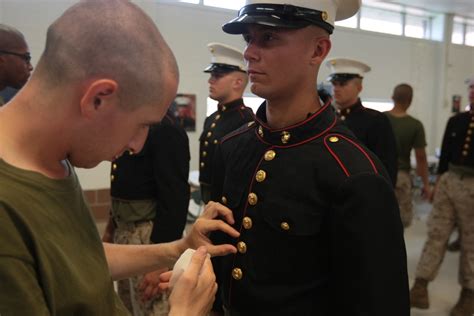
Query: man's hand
(194, 292)
(149, 286)
(209, 222)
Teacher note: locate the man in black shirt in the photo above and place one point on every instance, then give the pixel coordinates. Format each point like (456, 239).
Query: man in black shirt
(150, 198)
(371, 127)
(227, 83)
(452, 206)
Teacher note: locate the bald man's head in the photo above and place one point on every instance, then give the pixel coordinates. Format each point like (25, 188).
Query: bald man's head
(403, 95)
(10, 38)
(108, 39)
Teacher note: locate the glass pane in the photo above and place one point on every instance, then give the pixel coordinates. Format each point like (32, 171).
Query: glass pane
(381, 21)
(416, 26)
(190, 1)
(469, 35)
(226, 4)
(252, 102)
(458, 30)
(350, 22)
(381, 106)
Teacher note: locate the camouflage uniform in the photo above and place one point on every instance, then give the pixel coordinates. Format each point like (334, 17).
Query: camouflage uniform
(137, 234)
(453, 204)
(454, 200)
(403, 191)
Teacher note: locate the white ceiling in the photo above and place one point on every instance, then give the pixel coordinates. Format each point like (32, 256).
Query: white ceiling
(458, 7)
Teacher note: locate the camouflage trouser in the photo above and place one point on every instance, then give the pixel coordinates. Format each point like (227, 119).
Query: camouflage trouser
(453, 205)
(403, 191)
(138, 234)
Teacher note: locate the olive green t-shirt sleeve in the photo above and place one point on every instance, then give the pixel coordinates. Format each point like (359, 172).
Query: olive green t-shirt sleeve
(420, 139)
(20, 292)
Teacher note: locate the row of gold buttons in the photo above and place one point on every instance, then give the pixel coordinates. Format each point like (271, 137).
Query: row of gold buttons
(208, 135)
(465, 151)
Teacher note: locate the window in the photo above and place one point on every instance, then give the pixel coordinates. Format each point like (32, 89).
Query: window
(379, 105)
(226, 4)
(251, 101)
(417, 26)
(378, 20)
(458, 33)
(469, 40)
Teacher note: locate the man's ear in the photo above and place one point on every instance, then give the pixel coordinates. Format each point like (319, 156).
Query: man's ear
(321, 48)
(97, 95)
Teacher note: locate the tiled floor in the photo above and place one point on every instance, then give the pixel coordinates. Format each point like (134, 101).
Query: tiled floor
(445, 289)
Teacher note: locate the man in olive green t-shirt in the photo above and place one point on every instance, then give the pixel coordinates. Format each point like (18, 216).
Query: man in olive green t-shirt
(409, 134)
(109, 75)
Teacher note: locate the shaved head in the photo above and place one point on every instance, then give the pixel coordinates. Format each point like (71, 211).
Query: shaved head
(10, 38)
(108, 39)
(403, 94)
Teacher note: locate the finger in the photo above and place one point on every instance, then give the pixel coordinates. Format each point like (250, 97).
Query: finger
(163, 287)
(215, 209)
(166, 276)
(208, 225)
(196, 263)
(221, 250)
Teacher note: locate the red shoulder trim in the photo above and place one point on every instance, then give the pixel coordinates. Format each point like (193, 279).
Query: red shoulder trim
(339, 161)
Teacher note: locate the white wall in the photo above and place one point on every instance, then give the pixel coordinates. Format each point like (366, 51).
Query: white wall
(188, 28)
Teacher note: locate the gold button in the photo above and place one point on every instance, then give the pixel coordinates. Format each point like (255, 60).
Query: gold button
(206, 143)
(333, 139)
(224, 108)
(247, 222)
(242, 107)
(204, 153)
(260, 131)
(112, 177)
(285, 226)
(469, 132)
(213, 125)
(260, 176)
(224, 200)
(285, 137)
(468, 139)
(466, 146)
(237, 273)
(218, 116)
(464, 153)
(114, 166)
(471, 125)
(253, 199)
(324, 15)
(270, 155)
(209, 134)
(343, 118)
(242, 247)
(215, 141)
(202, 164)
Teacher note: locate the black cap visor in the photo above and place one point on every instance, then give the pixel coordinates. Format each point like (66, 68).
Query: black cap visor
(343, 77)
(222, 68)
(276, 15)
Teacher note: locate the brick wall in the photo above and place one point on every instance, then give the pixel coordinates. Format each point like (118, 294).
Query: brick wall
(99, 200)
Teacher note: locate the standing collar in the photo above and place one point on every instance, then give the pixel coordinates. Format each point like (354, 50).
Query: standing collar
(343, 113)
(230, 105)
(316, 125)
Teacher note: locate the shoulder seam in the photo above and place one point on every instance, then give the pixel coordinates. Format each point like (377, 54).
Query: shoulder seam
(339, 161)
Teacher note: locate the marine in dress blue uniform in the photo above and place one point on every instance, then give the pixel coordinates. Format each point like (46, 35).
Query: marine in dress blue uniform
(320, 227)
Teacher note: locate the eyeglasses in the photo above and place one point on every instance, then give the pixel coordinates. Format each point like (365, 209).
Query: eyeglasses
(26, 56)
